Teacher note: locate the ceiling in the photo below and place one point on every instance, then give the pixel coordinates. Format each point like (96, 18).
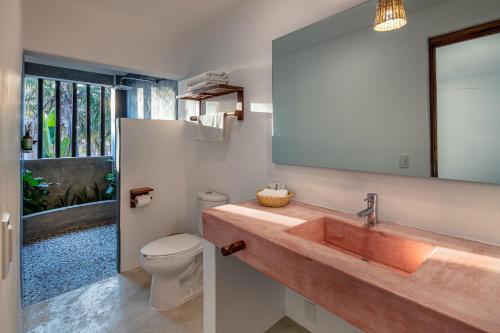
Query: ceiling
(130, 34)
(176, 17)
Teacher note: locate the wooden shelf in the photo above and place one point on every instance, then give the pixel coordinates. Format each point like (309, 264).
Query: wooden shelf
(216, 91)
(210, 92)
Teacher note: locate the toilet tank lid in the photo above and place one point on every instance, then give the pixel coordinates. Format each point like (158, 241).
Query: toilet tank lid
(171, 245)
(212, 196)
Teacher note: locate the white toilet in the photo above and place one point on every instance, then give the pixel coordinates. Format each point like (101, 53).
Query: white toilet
(176, 261)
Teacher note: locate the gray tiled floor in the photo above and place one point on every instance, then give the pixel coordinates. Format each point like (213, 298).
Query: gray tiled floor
(120, 304)
(66, 262)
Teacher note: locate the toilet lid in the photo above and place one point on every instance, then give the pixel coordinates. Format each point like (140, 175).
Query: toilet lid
(212, 196)
(171, 245)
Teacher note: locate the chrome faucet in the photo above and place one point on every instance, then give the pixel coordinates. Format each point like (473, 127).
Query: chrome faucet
(371, 212)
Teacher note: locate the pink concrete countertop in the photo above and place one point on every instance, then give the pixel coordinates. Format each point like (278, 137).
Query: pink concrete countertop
(456, 289)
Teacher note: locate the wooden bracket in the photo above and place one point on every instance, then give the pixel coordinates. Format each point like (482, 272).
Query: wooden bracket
(240, 106)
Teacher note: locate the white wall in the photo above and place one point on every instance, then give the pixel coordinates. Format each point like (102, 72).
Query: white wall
(245, 50)
(153, 153)
(10, 110)
(237, 298)
(241, 43)
(317, 320)
(468, 135)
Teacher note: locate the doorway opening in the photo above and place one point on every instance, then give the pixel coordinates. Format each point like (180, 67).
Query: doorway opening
(69, 210)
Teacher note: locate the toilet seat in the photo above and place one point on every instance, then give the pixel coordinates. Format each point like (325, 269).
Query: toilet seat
(171, 246)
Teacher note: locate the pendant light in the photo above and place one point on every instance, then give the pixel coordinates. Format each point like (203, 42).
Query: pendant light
(391, 15)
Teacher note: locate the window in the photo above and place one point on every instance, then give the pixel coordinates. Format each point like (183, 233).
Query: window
(81, 114)
(31, 111)
(107, 120)
(95, 121)
(67, 119)
(152, 100)
(49, 119)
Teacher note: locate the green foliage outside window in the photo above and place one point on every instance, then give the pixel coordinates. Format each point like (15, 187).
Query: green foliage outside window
(66, 112)
(66, 118)
(95, 121)
(49, 119)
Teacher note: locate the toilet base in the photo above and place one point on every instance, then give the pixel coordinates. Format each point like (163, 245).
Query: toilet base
(165, 294)
(169, 292)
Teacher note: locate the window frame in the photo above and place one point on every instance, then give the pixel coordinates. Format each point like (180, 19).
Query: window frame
(74, 119)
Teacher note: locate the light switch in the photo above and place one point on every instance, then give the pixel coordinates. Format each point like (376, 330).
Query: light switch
(404, 161)
(6, 238)
(10, 242)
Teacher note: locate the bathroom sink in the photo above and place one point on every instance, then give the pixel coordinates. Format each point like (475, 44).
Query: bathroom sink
(368, 244)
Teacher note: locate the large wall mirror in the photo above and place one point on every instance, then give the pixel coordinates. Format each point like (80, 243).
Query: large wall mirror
(420, 101)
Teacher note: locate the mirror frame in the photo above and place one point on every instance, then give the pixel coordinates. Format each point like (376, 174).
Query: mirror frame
(478, 31)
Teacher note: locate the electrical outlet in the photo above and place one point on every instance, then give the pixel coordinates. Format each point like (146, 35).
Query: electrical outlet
(404, 161)
(310, 311)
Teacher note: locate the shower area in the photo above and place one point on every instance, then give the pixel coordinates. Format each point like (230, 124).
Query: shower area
(70, 222)
(69, 185)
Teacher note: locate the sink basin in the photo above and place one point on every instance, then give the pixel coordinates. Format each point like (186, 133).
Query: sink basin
(403, 254)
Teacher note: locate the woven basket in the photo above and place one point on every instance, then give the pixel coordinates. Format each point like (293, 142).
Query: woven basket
(272, 201)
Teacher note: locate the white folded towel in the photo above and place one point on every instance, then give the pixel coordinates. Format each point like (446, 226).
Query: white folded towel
(274, 193)
(204, 84)
(212, 128)
(211, 75)
(276, 186)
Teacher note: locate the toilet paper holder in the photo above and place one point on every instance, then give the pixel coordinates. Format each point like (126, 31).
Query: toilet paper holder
(137, 192)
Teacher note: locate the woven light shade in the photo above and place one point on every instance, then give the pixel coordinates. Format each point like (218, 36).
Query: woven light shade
(391, 15)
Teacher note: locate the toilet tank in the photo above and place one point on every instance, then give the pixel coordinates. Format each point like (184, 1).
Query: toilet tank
(208, 199)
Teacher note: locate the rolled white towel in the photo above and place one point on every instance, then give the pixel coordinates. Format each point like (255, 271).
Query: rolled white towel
(276, 186)
(204, 84)
(214, 75)
(274, 193)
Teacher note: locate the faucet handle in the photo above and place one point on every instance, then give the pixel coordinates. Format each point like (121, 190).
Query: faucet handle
(371, 197)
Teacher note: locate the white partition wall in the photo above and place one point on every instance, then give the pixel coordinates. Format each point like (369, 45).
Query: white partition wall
(152, 153)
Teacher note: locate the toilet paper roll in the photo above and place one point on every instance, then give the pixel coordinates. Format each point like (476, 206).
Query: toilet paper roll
(143, 200)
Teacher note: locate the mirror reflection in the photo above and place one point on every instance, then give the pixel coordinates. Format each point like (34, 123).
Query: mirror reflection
(416, 101)
(468, 110)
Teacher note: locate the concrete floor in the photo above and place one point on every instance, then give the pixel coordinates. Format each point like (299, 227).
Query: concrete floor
(286, 325)
(68, 261)
(120, 304)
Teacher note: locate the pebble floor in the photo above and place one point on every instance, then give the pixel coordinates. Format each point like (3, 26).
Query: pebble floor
(66, 262)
